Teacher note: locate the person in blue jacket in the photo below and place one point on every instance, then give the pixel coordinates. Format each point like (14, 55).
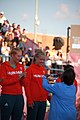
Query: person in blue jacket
(62, 106)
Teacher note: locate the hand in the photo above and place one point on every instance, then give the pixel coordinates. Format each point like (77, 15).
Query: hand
(0, 89)
(47, 75)
(31, 105)
(1, 79)
(22, 75)
(50, 79)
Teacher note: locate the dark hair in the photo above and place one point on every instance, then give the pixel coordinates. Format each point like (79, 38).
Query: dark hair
(58, 53)
(67, 66)
(47, 48)
(68, 75)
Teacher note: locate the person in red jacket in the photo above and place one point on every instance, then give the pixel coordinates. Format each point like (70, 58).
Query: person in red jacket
(36, 95)
(12, 75)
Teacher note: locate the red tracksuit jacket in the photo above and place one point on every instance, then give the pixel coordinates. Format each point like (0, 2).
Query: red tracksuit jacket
(11, 84)
(34, 89)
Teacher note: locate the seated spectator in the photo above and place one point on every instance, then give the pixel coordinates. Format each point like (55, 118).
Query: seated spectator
(29, 57)
(16, 35)
(5, 27)
(48, 60)
(19, 29)
(9, 35)
(14, 44)
(23, 35)
(21, 45)
(5, 50)
(29, 52)
(2, 19)
(14, 25)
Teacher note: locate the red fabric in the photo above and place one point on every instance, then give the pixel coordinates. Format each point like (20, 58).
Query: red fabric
(75, 83)
(58, 80)
(34, 89)
(11, 84)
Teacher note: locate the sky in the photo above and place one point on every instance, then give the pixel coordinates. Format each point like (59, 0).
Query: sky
(54, 15)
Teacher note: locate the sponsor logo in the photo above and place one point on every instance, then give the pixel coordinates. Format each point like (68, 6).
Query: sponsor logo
(38, 76)
(6, 104)
(14, 72)
(20, 68)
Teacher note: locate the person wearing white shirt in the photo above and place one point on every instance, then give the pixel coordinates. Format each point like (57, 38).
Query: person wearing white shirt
(5, 50)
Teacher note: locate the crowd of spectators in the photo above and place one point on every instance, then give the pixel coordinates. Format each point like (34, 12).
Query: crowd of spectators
(12, 36)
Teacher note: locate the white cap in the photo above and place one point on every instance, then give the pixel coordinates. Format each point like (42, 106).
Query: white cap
(47, 50)
(60, 51)
(30, 49)
(2, 13)
(0, 37)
